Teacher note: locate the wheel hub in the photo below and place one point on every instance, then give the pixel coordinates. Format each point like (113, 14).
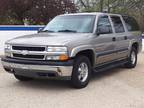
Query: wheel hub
(83, 72)
(133, 57)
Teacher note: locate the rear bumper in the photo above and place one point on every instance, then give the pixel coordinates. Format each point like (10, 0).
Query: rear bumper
(38, 68)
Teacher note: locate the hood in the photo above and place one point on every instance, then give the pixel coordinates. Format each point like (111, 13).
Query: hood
(48, 38)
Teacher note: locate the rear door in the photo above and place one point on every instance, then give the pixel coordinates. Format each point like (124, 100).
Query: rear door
(122, 37)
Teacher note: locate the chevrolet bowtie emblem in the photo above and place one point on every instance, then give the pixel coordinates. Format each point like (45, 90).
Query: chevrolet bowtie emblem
(25, 52)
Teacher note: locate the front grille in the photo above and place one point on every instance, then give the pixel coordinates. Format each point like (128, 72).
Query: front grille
(29, 56)
(28, 52)
(28, 48)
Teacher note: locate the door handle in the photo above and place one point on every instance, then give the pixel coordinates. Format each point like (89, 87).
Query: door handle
(113, 39)
(125, 38)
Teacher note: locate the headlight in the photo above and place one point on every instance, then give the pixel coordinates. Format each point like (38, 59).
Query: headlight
(59, 53)
(57, 49)
(7, 47)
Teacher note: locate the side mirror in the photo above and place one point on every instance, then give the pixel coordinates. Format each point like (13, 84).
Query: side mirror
(40, 30)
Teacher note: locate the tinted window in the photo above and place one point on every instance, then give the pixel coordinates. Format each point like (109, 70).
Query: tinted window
(117, 24)
(104, 26)
(131, 23)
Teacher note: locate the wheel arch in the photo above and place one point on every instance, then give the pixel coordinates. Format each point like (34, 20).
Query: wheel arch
(87, 51)
(136, 46)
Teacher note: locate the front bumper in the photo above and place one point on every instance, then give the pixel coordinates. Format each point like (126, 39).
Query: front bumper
(38, 68)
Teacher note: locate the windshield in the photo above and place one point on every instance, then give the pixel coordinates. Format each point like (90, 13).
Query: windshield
(71, 23)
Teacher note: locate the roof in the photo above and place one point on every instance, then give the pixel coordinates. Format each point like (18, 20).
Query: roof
(91, 13)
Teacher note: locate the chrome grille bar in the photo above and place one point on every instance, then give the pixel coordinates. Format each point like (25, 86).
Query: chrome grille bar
(28, 52)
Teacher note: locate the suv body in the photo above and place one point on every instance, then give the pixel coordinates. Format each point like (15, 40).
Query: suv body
(89, 42)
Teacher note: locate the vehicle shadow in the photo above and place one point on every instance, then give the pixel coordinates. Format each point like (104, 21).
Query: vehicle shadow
(107, 73)
(46, 84)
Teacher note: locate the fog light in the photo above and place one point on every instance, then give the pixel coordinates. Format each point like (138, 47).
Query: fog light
(52, 58)
(62, 57)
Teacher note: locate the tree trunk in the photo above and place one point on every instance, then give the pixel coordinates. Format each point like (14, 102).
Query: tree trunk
(101, 5)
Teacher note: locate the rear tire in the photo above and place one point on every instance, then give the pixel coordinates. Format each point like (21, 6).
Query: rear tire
(81, 72)
(22, 78)
(132, 60)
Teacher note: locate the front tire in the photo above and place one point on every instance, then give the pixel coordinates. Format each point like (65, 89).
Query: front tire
(22, 78)
(81, 72)
(132, 60)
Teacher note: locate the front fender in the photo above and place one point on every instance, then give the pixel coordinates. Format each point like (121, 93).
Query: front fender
(78, 49)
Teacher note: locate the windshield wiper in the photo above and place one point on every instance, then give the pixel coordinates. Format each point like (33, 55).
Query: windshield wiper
(67, 31)
(47, 31)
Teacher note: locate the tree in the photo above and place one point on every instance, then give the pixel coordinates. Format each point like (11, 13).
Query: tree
(136, 9)
(19, 9)
(35, 11)
(47, 9)
(133, 8)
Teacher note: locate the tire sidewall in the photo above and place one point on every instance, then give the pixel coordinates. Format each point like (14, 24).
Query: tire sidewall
(130, 64)
(75, 81)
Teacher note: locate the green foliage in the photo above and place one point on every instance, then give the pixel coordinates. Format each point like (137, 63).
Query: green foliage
(42, 11)
(134, 8)
(33, 11)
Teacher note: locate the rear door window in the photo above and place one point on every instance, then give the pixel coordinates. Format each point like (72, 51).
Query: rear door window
(118, 25)
(131, 23)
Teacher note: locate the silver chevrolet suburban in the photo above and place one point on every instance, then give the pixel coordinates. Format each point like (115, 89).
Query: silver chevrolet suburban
(73, 46)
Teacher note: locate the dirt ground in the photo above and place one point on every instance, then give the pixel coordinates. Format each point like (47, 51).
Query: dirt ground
(116, 88)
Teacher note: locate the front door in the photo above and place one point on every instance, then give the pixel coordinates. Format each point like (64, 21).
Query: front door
(104, 41)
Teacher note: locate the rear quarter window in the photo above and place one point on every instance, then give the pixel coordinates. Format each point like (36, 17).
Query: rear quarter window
(131, 23)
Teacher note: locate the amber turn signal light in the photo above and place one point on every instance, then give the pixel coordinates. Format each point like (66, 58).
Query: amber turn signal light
(64, 57)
